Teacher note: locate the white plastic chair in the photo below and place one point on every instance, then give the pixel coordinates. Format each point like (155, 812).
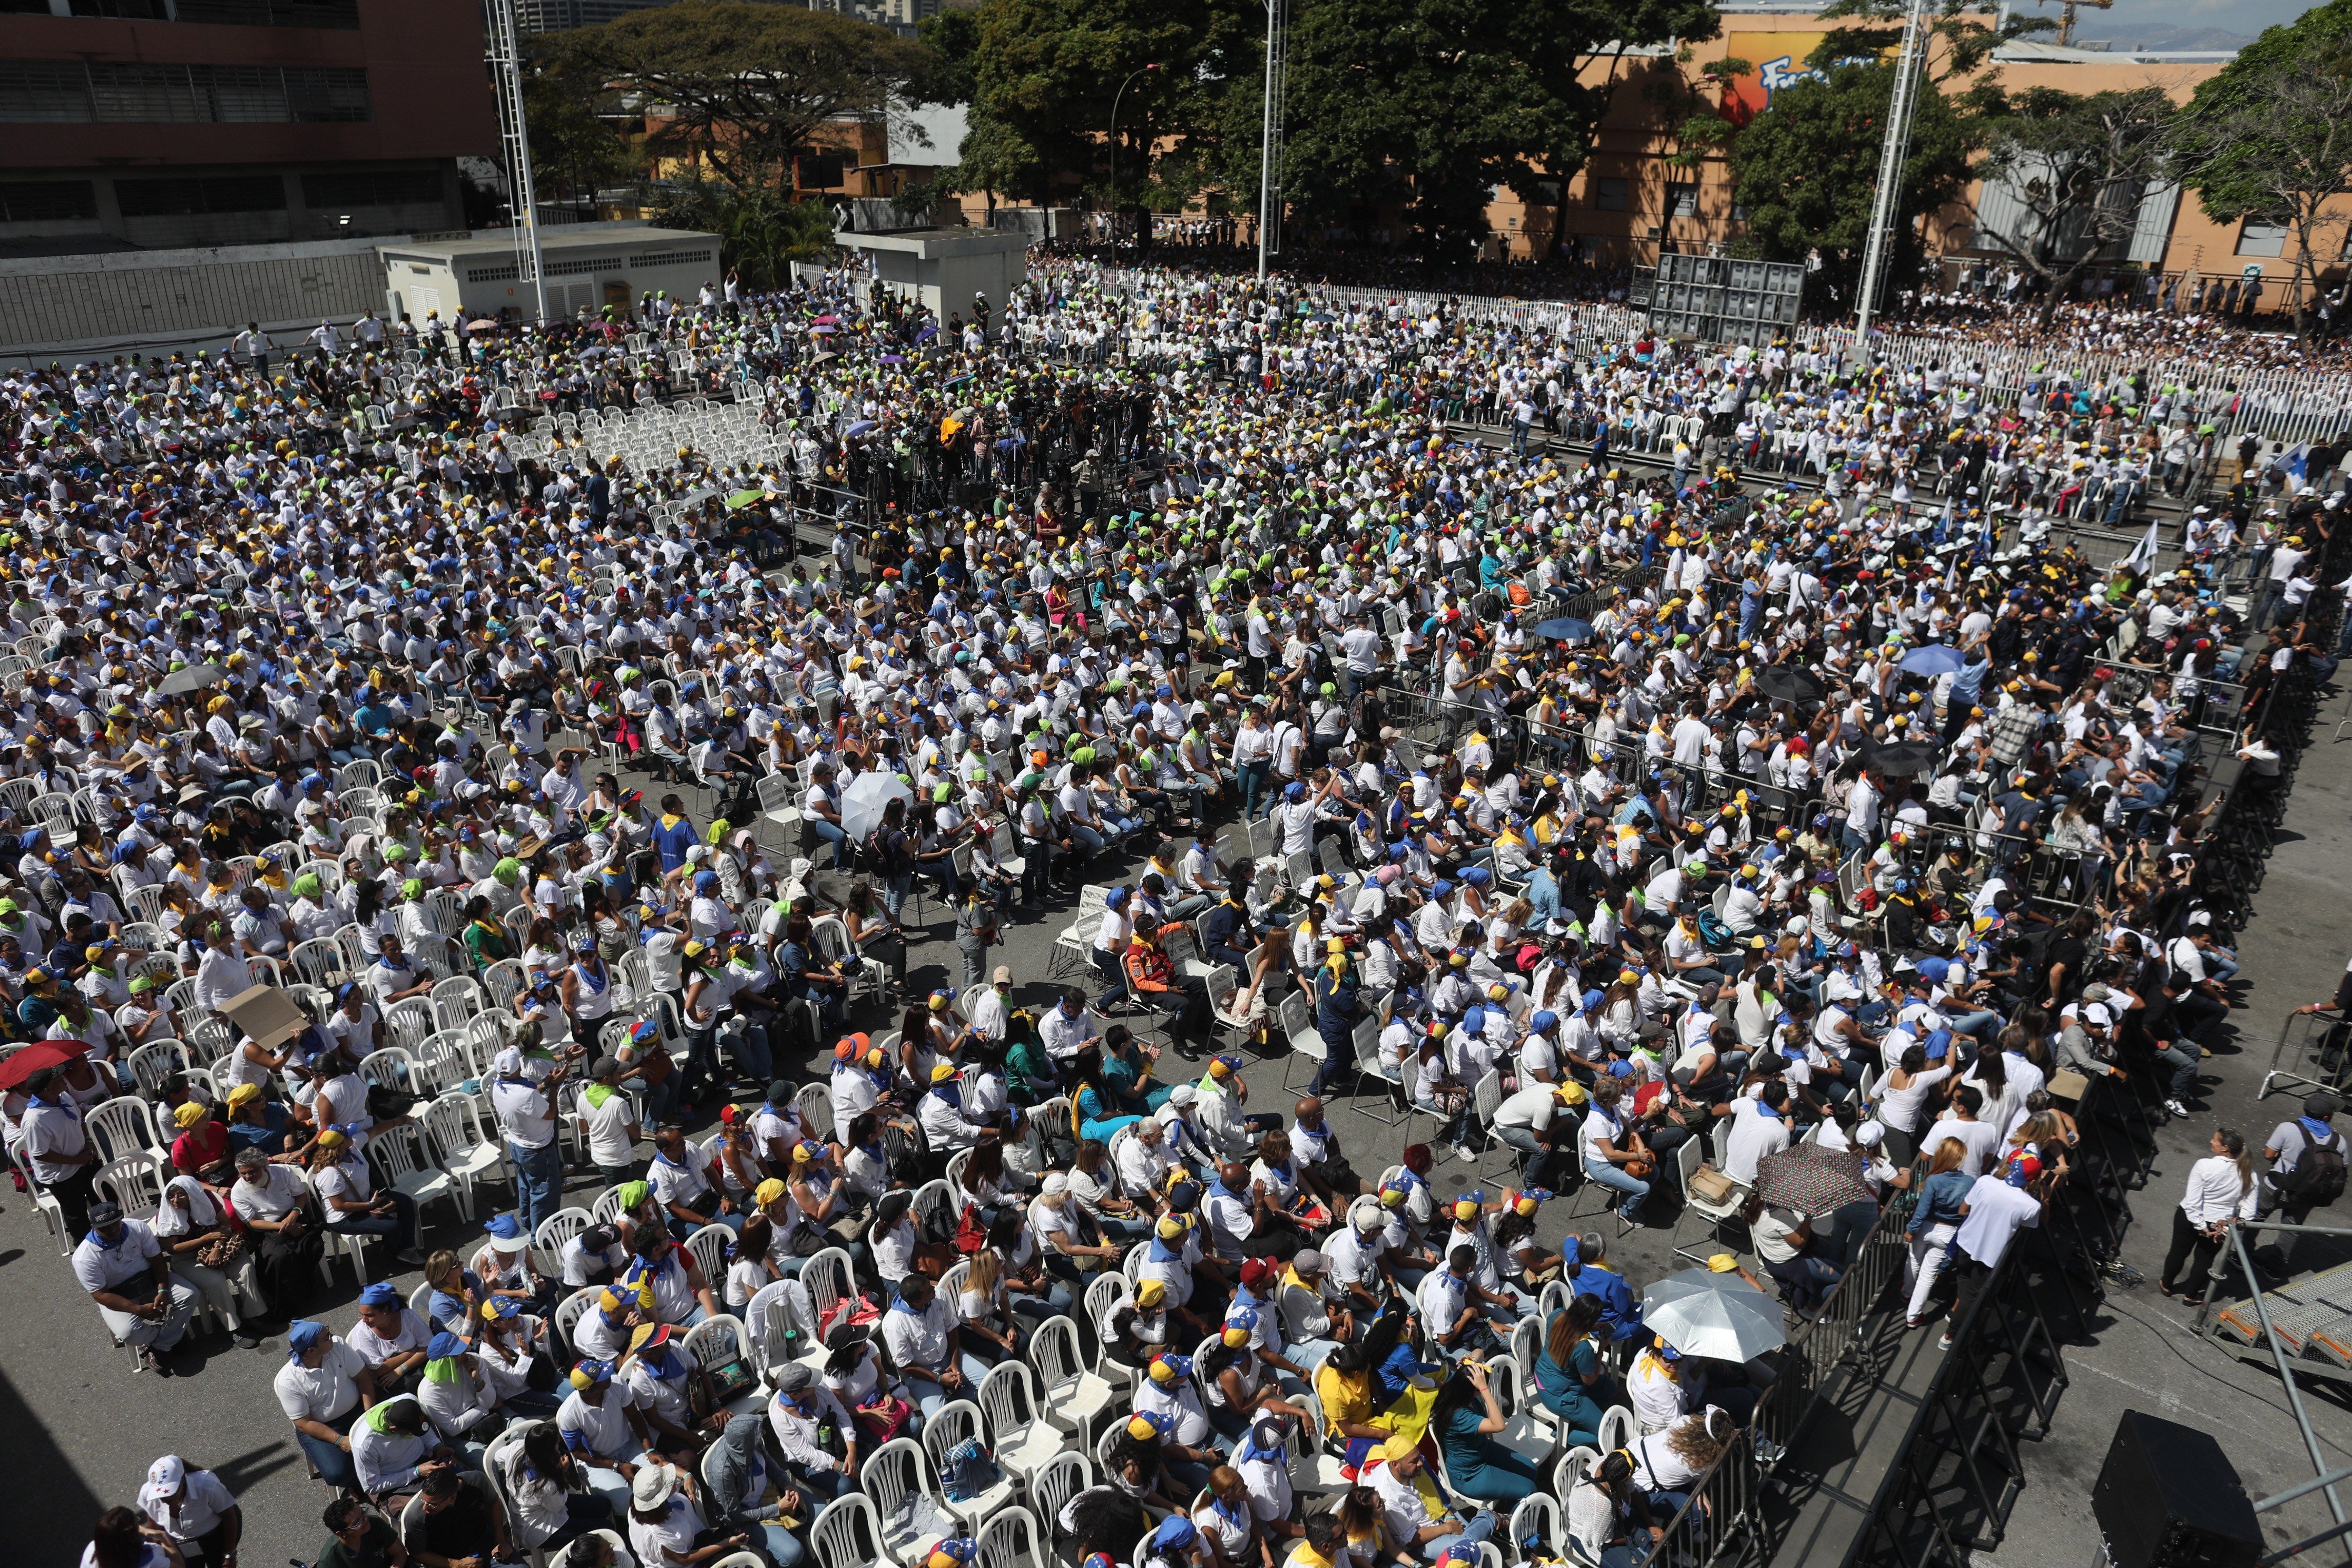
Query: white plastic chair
(954, 1422)
(1073, 1398)
(1021, 1438)
(848, 1533)
(897, 1467)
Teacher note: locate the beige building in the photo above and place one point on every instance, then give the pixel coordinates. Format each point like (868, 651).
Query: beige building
(1629, 201)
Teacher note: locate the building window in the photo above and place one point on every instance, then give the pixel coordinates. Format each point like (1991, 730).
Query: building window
(373, 188)
(1739, 212)
(47, 201)
(1682, 201)
(181, 198)
(1610, 193)
(73, 93)
(2261, 238)
(338, 13)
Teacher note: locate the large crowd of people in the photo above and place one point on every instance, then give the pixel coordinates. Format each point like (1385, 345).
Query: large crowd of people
(1595, 821)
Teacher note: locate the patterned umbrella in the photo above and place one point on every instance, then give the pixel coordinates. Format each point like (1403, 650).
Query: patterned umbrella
(1811, 1179)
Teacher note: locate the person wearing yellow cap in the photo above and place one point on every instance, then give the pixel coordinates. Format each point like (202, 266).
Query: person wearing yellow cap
(200, 1147)
(1136, 1329)
(353, 1203)
(1415, 1511)
(604, 1432)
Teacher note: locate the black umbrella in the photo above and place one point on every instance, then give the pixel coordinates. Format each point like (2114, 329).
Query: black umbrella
(192, 677)
(1789, 683)
(1901, 759)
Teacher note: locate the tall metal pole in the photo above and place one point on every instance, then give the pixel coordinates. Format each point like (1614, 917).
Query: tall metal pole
(514, 138)
(1886, 203)
(1269, 166)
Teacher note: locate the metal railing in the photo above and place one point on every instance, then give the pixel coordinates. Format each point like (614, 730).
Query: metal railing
(1960, 1468)
(1724, 1510)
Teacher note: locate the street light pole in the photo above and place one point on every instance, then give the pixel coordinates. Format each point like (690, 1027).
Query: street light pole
(1146, 66)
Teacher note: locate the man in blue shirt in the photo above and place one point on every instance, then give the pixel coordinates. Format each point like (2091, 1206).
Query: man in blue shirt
(1621, 1312)
(674, 834)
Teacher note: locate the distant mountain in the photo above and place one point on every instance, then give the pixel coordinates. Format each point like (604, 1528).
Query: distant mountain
(2125, 33)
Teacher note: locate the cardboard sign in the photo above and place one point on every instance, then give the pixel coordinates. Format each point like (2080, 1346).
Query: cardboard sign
(268, 1015)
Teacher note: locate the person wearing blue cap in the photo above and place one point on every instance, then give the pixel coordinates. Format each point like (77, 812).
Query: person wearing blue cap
(458, 1399)
(322, 1388)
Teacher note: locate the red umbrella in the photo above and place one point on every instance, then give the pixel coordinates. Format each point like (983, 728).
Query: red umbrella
(22, 1064)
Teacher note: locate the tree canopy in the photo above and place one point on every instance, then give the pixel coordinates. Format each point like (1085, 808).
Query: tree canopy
(1045, 74)
(746, 85)
(1432, 104)
(1805, 172)
(2076, 167)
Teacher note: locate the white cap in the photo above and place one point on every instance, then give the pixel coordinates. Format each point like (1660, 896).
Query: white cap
(166, 1473)
(1055, 1184)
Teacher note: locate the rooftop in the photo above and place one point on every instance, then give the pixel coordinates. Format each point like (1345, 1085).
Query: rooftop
(562, 237)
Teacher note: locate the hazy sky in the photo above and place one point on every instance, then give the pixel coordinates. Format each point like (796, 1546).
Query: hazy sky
(2129, 16)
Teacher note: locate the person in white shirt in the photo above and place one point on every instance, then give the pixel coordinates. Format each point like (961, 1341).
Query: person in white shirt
(2222, 1188)
(604, 1431)
(919, 1329)
(1996, 1208)
(609, 1123)
(192, 1508)
(129, 1275)
(322, 1388)
(1980, 1139)
(1759, 1126)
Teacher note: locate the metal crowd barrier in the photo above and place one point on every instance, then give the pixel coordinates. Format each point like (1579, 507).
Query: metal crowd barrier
(1960, 1467)
(1725, 1506)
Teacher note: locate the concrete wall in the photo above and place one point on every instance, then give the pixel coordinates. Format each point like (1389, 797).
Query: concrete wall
(65, 304)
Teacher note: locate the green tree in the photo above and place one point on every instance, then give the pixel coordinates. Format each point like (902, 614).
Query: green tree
(746, 85)
(953, 37)
(2269, 137)
(1806, 169)
(2077, 167)
(576, 150)
(1958, 40)
(1045, 74)
(1428, 105)
(761, 230)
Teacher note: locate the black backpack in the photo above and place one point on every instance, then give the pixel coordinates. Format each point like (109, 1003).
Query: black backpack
(2318, 1175)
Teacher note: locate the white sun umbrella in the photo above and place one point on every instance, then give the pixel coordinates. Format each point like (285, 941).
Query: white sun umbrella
(1716, 1317)
(863, 802)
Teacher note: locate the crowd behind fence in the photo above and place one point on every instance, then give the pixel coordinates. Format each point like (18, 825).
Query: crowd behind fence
(2285, 403)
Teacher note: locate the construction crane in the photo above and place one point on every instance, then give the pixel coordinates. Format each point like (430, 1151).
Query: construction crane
(2067, 18)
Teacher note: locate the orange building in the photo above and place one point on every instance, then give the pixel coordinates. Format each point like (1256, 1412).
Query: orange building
(1629, 200)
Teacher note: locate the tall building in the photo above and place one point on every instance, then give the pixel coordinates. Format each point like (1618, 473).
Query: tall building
(555, 16)
(169, 123)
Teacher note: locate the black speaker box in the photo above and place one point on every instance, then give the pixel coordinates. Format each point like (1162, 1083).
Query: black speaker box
(2168, 1498)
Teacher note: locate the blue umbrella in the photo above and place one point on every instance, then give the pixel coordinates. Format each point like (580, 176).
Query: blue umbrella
(1566, 628)
(1935, 660)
